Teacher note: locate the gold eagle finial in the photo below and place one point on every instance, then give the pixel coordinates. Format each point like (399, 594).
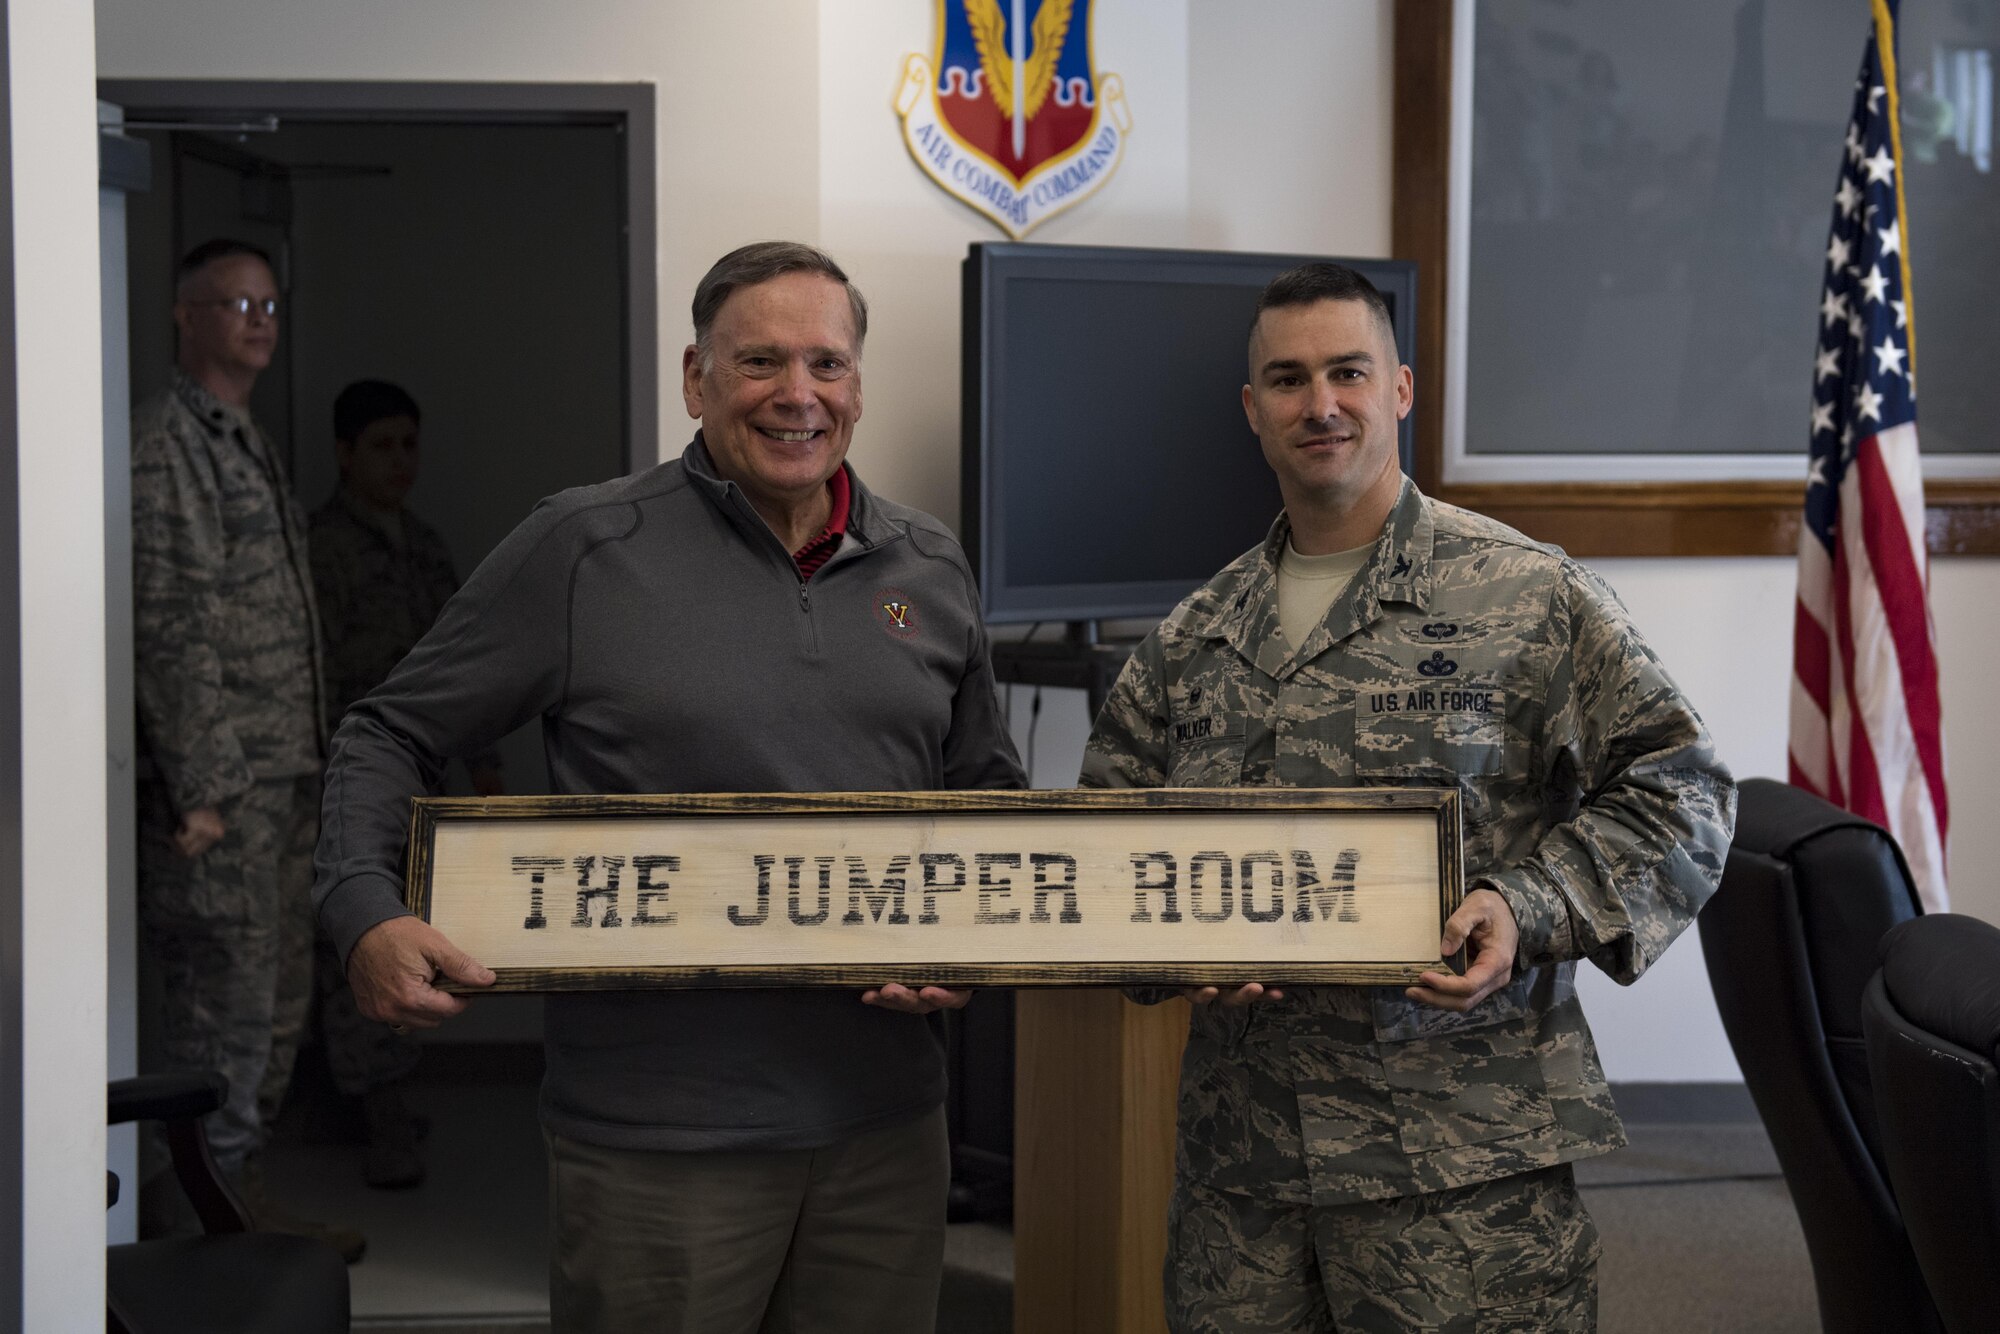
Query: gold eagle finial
(1038, 73)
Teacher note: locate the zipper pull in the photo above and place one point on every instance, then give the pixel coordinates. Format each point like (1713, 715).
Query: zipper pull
(805, 599)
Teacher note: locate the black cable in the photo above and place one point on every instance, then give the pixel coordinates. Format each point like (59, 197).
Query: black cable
(1035, 710)
(1034, 720)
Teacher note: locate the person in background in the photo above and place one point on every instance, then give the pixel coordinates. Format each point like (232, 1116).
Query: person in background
(232, 724)
(381, 576)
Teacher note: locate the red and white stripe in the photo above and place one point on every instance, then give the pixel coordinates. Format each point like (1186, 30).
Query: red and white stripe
(1867, 730)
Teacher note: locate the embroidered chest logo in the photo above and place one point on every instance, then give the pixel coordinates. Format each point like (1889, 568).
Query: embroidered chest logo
(1437, 665)
(1441, 630)
(896, 612)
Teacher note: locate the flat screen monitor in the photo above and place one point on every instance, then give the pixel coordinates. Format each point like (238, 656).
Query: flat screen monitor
(1107, 468)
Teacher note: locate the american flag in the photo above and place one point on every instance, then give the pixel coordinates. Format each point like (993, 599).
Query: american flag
(1866, 729)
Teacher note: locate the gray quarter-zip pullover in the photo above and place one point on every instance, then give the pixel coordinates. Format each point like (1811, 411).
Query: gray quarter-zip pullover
(662, 634)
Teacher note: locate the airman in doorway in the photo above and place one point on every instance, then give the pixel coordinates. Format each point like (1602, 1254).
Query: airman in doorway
(381, 575)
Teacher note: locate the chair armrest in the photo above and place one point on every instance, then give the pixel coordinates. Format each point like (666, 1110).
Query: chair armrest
(179, 1100)
(179, 1096)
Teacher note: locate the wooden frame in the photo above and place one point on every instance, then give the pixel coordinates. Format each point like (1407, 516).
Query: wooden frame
(1738, 518)
(970, 888)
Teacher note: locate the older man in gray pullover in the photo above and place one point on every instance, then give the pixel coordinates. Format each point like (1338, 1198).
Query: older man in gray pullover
(720, 1160)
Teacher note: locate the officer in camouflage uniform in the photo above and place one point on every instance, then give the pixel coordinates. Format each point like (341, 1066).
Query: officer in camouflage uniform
(231, 721)
(1373, 1159)
(381, 575)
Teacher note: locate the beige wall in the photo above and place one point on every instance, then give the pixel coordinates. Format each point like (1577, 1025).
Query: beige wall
(775, 120)
(1185, 181)
(903, 238)
(737, 88)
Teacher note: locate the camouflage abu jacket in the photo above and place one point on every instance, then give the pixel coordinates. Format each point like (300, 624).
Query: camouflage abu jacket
(381, 582)
(1593, 801)
(225, 635)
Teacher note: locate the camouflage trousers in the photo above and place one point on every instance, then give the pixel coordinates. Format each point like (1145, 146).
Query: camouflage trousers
(364, 1054)
(1514, 1255)
(232, 934)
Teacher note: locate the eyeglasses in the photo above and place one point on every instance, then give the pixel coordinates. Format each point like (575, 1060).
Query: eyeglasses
(243, 305)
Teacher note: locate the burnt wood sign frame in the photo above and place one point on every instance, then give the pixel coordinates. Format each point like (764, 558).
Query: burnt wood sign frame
(1175, 886)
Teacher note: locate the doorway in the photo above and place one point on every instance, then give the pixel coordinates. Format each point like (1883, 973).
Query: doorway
(489, 248)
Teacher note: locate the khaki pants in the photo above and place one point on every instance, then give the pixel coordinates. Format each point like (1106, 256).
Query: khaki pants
(1513, 1256)
(846, 1238)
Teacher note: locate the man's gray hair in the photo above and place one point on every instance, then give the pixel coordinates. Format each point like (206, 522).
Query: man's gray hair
(208, 252)
(759, 262)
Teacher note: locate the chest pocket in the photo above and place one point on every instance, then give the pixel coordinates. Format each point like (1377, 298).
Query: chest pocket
(248, 510)
(1205, 750)
(1436, 735)
(252, 528)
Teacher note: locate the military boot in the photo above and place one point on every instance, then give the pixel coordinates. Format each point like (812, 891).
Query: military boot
(391, 1161)
(270, 1216)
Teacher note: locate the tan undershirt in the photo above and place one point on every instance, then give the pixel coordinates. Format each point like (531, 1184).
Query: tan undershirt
(1307, 586)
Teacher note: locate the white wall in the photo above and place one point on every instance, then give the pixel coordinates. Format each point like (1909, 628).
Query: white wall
(902, 239)
(1185, 181)
(1290, 133)
(1256, 127)
(1724, 628)
(57, 354)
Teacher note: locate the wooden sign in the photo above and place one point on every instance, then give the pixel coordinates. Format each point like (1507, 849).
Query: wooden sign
(973, 888)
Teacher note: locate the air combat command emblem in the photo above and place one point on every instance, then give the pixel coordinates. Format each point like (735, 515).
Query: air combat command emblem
(1009, 113)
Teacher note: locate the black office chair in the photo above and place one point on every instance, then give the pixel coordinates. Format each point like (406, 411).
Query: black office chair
(1932, 1017)
(1790, 940)
(228, 1280)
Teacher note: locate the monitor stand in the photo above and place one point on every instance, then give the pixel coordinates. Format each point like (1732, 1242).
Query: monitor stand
(1077, 661)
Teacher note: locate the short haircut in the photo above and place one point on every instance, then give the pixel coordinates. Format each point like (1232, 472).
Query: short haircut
(366, 402)
(759, 262)
(220, 247)
(1309, 284)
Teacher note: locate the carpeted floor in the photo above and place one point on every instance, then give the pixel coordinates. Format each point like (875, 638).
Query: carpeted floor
(1699, 1235)
(1698, 1230)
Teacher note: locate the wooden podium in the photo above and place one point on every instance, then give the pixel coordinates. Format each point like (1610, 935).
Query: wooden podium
(1094, 1103)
